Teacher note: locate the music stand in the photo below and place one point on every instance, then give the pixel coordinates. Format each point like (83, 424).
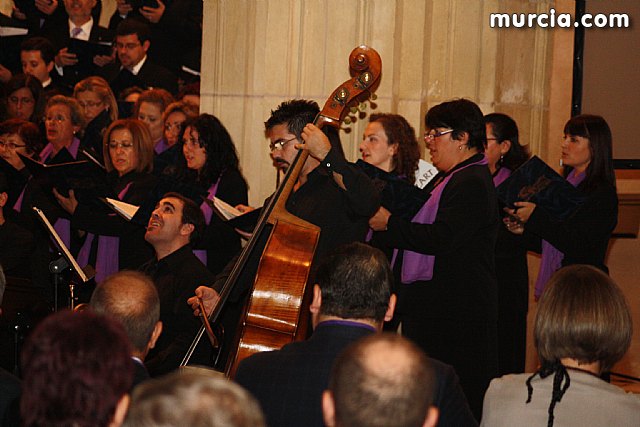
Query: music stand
(71, 261)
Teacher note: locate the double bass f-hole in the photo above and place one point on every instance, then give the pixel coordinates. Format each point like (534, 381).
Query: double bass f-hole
(277, 309)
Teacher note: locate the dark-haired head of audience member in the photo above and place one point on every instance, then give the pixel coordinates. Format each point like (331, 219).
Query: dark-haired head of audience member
(354, 282)
(37, 55)
(582, 315)
(462, 116)
(25, 98)
(26, 138)
(131, 298)
(133, 39)
(366, 390)
(193, 399)
(207, 131)
(142, 145)
(77, 370)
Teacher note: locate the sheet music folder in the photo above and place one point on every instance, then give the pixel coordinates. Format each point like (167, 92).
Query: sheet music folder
(63, 248)
(398, 196)
(86, 178)
(535, 181)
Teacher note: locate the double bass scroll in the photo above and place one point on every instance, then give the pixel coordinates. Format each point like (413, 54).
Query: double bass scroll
(277, 310)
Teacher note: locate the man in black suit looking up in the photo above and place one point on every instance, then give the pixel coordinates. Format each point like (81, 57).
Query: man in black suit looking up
(135, 68)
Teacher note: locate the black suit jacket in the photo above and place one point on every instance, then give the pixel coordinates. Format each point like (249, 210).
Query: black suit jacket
(58, 33)
(289, 382)
(151, 75)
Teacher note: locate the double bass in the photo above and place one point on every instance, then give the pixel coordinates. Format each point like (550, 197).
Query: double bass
(283, 245)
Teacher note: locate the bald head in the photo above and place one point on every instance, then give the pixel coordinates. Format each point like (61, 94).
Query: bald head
(382, 380)
(131, 298)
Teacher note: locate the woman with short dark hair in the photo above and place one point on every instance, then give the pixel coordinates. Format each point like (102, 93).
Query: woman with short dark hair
(583, 327)
(445, 255)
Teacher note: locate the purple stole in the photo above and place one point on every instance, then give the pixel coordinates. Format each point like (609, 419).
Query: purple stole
(552, 257)
(108, 250)
(501, 175)
(161, 146)
(417, 266)
(208, 212)
(62, 225)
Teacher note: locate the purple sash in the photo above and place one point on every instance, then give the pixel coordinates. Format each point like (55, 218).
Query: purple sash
(108, 250)
(161, 146)
(62, 225)
(417, 266)
(551, 257)
(501, 175)
(207, 211)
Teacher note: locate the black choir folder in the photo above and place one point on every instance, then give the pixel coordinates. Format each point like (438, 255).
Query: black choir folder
(86, 178)
(398, 196)
(537, 182)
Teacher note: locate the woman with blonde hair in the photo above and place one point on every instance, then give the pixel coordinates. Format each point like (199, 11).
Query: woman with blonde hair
(100, 108)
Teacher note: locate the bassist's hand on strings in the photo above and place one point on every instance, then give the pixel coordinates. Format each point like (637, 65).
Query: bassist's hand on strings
(209, 299)
(315, 142)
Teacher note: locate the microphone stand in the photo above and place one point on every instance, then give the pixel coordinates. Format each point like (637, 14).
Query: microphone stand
(57, 268)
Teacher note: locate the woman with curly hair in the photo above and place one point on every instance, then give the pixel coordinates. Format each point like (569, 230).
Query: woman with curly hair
(389, 143)
(210, 161)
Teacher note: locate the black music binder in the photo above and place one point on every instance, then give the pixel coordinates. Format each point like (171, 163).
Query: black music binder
(535, 181)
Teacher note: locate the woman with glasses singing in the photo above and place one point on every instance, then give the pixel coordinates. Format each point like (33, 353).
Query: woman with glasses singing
(115, 243)
(25, 99)
(583, 238)
(505, 154)
(100, 109)
(445, 254)
(209, 161)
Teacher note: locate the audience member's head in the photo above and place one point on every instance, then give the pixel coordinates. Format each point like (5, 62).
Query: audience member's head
(131, 298)
(77, 370)
(383, 380)
(582, 315)
(193, 399)
(354, 282)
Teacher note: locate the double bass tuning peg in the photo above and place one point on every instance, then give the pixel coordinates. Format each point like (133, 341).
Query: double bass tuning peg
(373, 97)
